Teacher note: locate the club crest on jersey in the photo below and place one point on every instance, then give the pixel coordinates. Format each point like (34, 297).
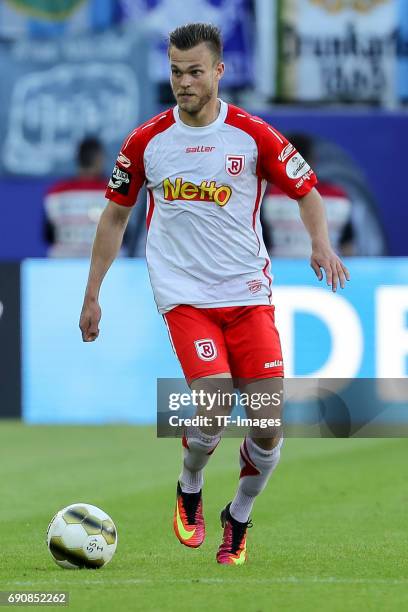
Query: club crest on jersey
(206, 191)
(206, 349)
(234, 164)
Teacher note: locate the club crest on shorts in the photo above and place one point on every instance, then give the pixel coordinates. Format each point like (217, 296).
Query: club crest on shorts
(206, 349)
(234, 164)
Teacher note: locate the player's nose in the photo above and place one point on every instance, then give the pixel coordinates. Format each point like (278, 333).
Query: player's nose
(185, 81)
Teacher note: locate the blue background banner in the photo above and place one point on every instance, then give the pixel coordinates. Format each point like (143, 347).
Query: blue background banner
(359, 332)
(374, 173)
(370, 145)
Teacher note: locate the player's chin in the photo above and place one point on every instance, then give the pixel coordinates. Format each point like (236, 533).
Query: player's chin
(189, 105)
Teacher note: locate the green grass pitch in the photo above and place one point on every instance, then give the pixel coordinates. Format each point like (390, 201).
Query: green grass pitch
(330, 532)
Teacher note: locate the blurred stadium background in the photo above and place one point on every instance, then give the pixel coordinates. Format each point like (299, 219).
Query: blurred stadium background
(334, 70)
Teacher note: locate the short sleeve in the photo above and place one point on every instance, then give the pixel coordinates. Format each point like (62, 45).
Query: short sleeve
(279, 163)
(128, 174)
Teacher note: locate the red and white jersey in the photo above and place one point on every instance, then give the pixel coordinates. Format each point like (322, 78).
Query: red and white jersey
(205, 185)
(73, 207)
(283, 227)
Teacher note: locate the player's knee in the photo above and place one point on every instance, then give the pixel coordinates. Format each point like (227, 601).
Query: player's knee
(269, 444)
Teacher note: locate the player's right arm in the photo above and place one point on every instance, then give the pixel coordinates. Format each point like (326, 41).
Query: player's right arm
(127, 178)
(108, 239)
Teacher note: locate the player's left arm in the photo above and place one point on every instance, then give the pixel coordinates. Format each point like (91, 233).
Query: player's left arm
(313, 215)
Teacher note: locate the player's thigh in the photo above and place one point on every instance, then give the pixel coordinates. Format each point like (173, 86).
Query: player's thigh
(263, 397)
(214, 400)
(255, 357)
(253, 344)
(198, 342)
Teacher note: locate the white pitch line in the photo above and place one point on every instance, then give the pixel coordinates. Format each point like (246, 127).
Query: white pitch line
(239, 579)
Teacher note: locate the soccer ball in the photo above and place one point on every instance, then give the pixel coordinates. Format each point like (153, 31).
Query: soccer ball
(82, 535)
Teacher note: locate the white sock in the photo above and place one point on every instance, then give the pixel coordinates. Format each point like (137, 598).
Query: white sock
(257, 465)
(197, 450)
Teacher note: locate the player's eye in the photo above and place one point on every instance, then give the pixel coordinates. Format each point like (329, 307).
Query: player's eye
(196, 72)
(176, 72)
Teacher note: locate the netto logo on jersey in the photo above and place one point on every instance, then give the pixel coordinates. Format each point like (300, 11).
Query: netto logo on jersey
(207, 191)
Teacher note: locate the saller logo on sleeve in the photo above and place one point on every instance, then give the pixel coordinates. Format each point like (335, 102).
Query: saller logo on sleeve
(120, 180)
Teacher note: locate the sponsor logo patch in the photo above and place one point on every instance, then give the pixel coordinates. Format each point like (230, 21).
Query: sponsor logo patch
(286, 151)
(206, 349)
(304, 178)
(120, 180)
(200, 149)
(123, 160)
(254, 286)
(207, 191)
(234, 164)
(296, 166)
(274, 364)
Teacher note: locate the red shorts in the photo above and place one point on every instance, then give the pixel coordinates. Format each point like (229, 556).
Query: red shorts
(242, 340)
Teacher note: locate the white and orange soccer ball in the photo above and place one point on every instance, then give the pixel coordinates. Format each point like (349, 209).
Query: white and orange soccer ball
(82, 536)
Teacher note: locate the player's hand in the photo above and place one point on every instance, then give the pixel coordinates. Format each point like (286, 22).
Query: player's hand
(89, 321)
(335, 270)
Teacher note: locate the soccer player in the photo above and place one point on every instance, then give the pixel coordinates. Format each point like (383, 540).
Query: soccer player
(73, 206)
(206, 164)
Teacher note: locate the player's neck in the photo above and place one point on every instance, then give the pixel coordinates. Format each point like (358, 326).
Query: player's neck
(208, 114)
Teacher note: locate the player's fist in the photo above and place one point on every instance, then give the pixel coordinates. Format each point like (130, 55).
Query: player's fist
(89, 321)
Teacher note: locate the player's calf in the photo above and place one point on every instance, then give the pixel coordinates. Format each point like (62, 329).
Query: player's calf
(257, 465)
(188, 520)
(197, 450)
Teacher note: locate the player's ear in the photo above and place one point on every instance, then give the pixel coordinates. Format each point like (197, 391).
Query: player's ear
(220, 68)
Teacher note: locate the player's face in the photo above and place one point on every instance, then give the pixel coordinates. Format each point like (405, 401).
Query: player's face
(195, 74)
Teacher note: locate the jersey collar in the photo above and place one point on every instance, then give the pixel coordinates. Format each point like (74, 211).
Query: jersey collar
(206, 129)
